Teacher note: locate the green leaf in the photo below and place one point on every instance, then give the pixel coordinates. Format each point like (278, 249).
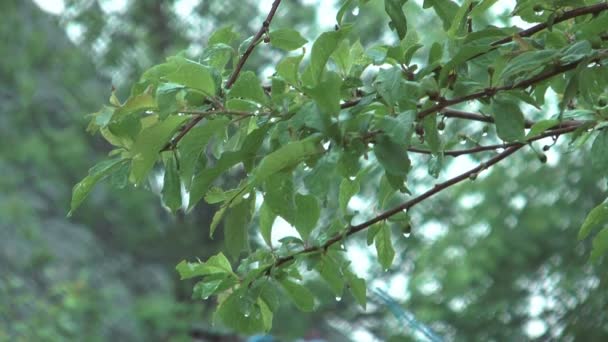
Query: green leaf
(527, 63)
(392, 157)
(202, 181)
(217, 55)
(248, 86)
(373, 231)
(217, 195)
(218, 216)
(279, 195)
(384, 247)
(192, 146)
(238, 313)
(459, 19)
(541, 126)
(394, 9)
(343, 9)
(214, 265)
(213, 285)
(123, 133)
(286, 39)
(575, 52)
(148, 143)
(342, 57)
(236, 237)
(597, 216)
(357, 288)
(307, 214)
(431, 133)
(166, 96)
(348, 189)
(185, 72)
(100, 118)
(599, 151)
(172, 195)
(509, 120)
(435, 53)
(445, 9)
(134, 104)
(331, 272)
(96, 174)
(462, 56)
(299, 295)
(224, 35)
(348, 164)
(322, 48)
(287, 156)
(267, 218)
(399, 129)
(327, 93)
(389, 85)
(482, 6)
(288, 69)
(600, 245)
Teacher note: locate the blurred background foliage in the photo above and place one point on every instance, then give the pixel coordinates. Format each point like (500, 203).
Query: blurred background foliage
(494, 259)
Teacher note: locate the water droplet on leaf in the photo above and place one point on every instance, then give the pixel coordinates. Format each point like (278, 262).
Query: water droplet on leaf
(356, 11)
(338, 298)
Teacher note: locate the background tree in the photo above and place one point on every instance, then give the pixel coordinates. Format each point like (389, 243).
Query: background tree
(490, 258)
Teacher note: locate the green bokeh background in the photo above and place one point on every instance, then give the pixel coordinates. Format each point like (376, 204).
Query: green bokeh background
(505, 253)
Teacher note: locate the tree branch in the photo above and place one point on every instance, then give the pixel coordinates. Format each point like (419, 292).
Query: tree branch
(233, 77)
(429, 193)
(256, 38)
(491, 91)
(455, 113)
(564, 127)
(577, 12)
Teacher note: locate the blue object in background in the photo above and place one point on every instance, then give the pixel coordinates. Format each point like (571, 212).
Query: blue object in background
(405, 316)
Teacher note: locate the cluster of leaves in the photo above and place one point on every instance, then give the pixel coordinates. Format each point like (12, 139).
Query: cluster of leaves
(307, 140)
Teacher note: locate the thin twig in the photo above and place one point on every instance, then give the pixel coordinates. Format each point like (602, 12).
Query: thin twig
(217, 111)
(566, 126)
(577, 12)
(455, 113)
(490, 91)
